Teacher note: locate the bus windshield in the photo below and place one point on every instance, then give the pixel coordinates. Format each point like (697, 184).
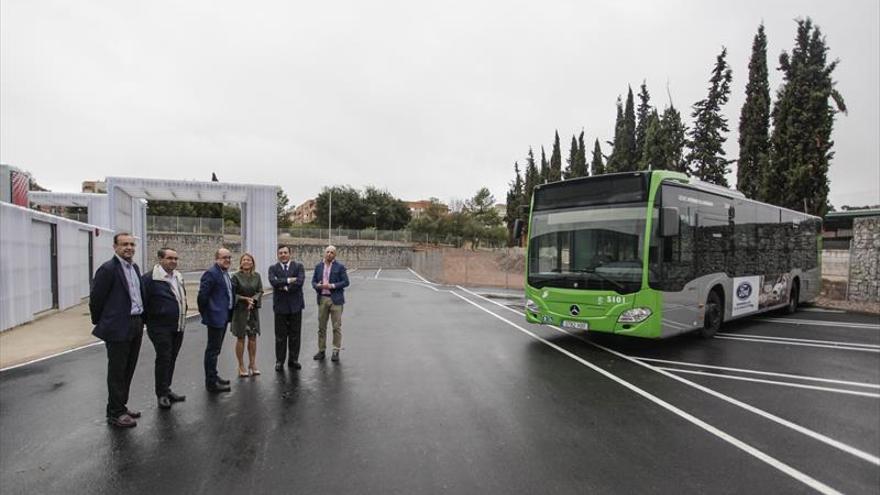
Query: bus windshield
(588, 248)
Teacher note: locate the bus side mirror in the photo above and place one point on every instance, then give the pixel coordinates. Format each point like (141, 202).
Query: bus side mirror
(517, 229)
(668, 221)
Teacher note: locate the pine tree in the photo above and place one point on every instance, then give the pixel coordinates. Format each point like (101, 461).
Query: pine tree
(555, 173)
(803, 118)
(674, 140)
(514, 197)
(532, 178)
(617, 145)
(653, 154)
(706, 159)
(596, 166)
(754, 122)
(545, 167)
(643, 113)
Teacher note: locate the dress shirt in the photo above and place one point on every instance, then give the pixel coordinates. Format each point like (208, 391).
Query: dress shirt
(134, 286)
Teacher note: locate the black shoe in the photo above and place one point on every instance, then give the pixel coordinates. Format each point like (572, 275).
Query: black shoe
(133, 414)
(217, 388)
(222, 381)
(279, 366)
(164, 402)
(319, 356)
(294, 365)
(335, 356)
(176, 398)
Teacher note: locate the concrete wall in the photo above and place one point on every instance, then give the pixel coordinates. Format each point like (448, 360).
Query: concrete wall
(197, 252)
(835, 264)
(864, 267)
(485, 268)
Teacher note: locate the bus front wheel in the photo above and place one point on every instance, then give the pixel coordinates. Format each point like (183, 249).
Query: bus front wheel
(713, 317)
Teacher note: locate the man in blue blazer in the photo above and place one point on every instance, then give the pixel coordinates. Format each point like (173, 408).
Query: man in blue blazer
(330, 280)
(116, 307)
(215, 305)
(287, 278)
(165, 316)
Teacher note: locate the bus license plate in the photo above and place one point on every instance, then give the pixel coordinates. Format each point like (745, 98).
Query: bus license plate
(577, 325)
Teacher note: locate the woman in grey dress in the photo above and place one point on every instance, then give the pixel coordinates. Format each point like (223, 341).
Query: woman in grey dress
(248, 289)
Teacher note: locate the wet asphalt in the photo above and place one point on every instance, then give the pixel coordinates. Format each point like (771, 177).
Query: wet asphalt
(441, 391)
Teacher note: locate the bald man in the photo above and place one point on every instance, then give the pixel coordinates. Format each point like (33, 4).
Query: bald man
(330, 280)
(215, 305)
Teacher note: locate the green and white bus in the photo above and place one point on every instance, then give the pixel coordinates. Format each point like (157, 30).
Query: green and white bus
(655, 253)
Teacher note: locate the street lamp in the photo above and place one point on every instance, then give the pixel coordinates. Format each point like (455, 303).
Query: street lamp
(376, 224)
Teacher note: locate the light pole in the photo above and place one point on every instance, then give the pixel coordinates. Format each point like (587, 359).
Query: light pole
(330, 220)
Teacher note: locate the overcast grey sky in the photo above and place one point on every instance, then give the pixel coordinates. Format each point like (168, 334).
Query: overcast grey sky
(420, 98)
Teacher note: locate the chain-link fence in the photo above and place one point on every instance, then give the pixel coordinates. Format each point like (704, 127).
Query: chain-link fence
(189, 225)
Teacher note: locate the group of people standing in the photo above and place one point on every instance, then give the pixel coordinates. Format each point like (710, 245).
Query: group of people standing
(122, 302)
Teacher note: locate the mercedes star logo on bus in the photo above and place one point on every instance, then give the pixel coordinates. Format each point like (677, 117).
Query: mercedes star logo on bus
(575, 310)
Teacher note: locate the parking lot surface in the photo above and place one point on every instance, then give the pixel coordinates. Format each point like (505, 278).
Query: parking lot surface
(442, 390)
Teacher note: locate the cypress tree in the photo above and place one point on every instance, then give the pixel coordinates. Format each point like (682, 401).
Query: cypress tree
(643, 113)
(545, 167)
(514, 197)
(532, 178)
(555, 173)
(706, 159)
(653, 155)
(596, 166)
(571, 165)
(673, 133)
(617, 145)
(803, 118)
(582, 156)
(629, 160)
(754, 122)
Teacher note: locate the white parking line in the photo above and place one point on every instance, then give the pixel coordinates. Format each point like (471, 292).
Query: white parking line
(423, 279)
(748, 407)
(766, 373)
(772, 461)
(821, 323)
(804, 344)
(773, 382)
(378, 272)
(789, 339)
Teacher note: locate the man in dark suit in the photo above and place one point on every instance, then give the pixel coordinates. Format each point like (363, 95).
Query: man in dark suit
(165, 316)
(215, 305)
(330, 280)
(116, 306)
(287, 278)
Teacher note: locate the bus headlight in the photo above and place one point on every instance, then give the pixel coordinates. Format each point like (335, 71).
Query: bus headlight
(532, 306)
(635, 315)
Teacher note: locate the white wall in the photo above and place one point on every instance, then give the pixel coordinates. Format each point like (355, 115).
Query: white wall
(25, 262)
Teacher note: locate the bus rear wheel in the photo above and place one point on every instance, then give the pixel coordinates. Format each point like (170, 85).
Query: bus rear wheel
(793, 299)
(714, 316)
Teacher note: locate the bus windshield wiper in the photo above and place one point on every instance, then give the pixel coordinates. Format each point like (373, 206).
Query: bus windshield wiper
(592, 271)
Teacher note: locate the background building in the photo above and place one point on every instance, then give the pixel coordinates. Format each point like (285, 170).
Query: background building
(304, 213)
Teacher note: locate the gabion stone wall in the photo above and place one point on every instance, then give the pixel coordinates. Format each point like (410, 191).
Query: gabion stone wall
(864, 264)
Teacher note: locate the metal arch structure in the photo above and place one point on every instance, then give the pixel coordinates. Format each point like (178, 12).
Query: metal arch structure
(95, 203)
(127, 209)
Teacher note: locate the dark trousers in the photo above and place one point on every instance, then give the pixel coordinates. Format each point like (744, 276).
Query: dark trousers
(212, 351)
(288, 330)
(121, 361)
(167, 343)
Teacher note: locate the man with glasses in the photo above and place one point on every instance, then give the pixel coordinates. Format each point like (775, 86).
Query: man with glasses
(116, 306)
(215, 306)
(165, 316)
(330, 280)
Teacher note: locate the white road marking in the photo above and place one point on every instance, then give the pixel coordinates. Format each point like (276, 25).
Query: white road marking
(772, 461)
(789, 339)
(766, 373)
(795, 321)
(748, 407)
(773, 382)
(804, 344)
(423, 279)
(411, 282)
(378, 272)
